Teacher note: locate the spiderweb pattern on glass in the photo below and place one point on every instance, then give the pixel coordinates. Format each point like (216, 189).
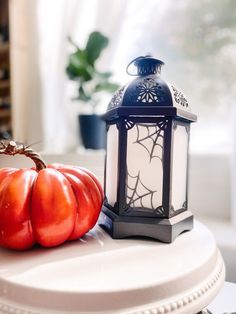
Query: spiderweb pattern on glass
(151, 140)
(138, 192)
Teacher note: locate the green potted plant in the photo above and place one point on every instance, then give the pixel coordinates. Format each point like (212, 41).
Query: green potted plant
(91, 83)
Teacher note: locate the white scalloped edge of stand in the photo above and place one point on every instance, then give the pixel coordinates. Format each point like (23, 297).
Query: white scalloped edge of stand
(9, 309)
(180, 305)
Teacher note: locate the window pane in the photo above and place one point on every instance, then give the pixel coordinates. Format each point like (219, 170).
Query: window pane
(111, 164)
(145, 165)
(179, 166)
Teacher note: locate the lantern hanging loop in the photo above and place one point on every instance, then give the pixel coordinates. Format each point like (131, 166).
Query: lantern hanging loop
(145, 65)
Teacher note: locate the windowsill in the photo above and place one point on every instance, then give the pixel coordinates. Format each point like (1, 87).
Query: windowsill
(225, 237)
(223, 231)
(209, 185)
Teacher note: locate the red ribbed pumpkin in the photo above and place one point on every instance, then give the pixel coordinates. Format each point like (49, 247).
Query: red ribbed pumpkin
(47, 205)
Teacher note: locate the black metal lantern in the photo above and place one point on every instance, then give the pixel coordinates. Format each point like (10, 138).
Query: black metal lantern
(146, 171)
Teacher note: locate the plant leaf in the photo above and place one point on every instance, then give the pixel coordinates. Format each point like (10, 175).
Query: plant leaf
(78, 67)
(95, 44)
(106, 86)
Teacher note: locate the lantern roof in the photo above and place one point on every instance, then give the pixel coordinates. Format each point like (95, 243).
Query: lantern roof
(148, 94)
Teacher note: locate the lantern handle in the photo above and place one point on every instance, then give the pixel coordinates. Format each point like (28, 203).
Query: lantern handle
(134, 63)
(145, 65)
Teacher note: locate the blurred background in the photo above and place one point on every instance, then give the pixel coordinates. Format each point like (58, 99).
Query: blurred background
(40, 97)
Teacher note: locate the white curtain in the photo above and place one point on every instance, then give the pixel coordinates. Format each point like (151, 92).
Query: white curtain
(42, 107)
(57, 20)
(43, 110)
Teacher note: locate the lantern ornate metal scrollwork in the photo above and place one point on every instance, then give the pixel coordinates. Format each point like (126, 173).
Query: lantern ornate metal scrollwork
(146, 170)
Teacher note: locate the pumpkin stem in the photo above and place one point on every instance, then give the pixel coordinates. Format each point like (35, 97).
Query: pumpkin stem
(12, 148)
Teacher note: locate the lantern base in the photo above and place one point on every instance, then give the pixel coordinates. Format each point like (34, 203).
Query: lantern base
(162, 229)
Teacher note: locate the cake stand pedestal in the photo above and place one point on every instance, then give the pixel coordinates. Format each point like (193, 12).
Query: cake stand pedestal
(97, 274)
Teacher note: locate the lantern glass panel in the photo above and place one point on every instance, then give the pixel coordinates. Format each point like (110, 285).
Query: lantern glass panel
(144, 181)
(179, 165)
(112, 164)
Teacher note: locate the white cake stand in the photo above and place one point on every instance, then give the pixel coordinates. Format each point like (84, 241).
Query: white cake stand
(102, 275)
